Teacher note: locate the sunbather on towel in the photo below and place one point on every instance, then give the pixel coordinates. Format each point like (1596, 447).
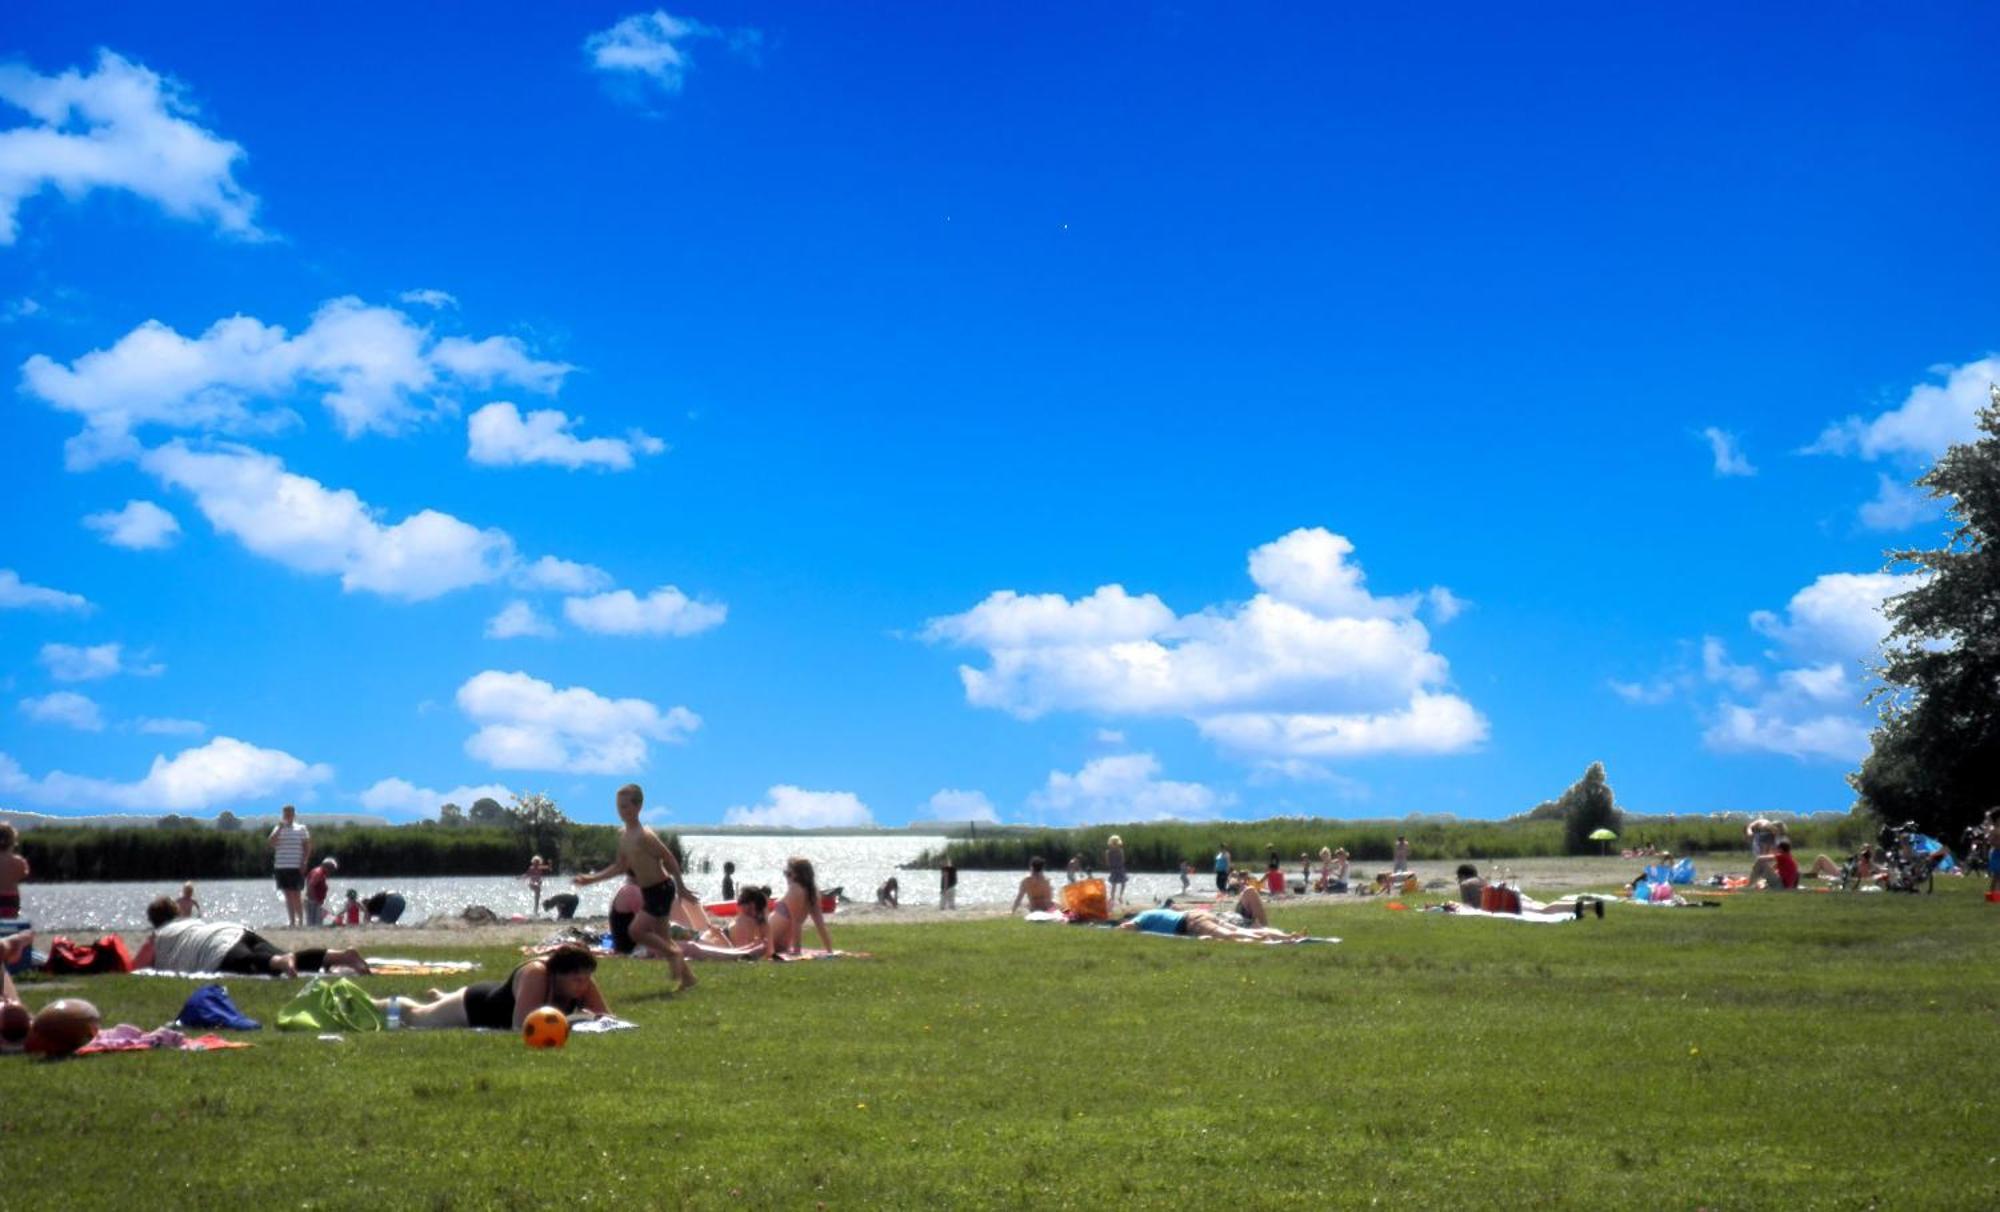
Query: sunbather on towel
(180, 944)
(1202, 924)
(564, 978)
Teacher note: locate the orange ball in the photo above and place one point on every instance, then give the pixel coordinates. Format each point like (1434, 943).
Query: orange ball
(545, 1028)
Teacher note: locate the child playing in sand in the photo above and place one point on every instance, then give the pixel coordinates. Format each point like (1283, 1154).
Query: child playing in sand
(13, 869)
(186, 903)
(349, 913)
(801, 900)
(654, 868)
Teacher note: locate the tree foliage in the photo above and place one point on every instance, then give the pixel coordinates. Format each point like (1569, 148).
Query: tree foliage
(451, 815)
(1935, 757)
(1585, 808)
(486, 811)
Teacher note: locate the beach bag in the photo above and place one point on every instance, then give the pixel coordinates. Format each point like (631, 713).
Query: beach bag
(1659, 873)
(1087, 900)
(1683, 872)
(209, 1006)
(330, 1005)
(107, 954)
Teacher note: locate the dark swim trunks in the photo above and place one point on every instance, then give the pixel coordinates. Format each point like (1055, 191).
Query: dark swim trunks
(658, 899)
(10, 904)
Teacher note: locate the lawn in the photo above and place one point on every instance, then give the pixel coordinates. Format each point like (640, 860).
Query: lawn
(1781, 1051)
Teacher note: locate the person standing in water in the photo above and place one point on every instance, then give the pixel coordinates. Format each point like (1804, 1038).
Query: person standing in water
(656, 871)
(948, 885)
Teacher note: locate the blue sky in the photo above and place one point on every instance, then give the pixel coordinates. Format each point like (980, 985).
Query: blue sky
(1273, 409)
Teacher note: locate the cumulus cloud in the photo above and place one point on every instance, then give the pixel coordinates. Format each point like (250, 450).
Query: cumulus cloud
(1648, 694)
(788, 807)
(67, 708)
(71, 663)
(400, 795)
(1837, 617)
(374, 369)
(1729, 458)
(1445, 605)
(951, 804)
(429, 298)
(307, 526)
(1123, 787)
(167, 726)
(563, 576)
(224, 773)
(527, 724)
(499, 436)
(1931, 417)
(665, 611)
(518, 618)
(17, 594)
(1313, 665)
(1898, 506)
(140, 526)
(118, 127)
(652, 49)
(1718, 668)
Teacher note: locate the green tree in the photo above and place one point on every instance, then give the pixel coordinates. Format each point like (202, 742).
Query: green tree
(1935, 757)
(542, 822)
(227, 821)
(1585, 808)
(452, 815)
(487, 811)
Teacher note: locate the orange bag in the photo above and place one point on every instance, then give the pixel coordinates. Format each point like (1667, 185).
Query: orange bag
(1087, 900)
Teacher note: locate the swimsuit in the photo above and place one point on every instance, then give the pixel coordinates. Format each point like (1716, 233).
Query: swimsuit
(491, 1003)
(10, 904)
(658, 899)
(1162, 921)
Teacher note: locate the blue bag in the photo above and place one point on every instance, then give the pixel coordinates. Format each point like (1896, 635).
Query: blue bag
(209, 1006)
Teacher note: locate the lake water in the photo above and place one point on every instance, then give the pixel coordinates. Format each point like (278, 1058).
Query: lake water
(859, 864)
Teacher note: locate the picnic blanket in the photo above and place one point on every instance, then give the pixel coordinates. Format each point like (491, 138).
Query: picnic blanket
(1045, 915)
(393, 966)
(127, 1038)
(1453, 910)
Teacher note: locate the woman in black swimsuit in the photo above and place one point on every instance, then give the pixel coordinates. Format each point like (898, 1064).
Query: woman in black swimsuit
(564, 978)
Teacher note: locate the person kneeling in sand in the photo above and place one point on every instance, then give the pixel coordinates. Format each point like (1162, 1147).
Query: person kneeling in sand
(564, 978)
(181, 944)
(656, 871)
(1035, 889)
(887, 894)
(1202, 924)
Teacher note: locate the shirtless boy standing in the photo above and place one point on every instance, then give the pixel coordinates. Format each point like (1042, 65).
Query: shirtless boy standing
(647, 859)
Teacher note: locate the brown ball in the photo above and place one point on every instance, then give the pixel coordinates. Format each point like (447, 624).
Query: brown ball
(14, 1020)
(62, 1027)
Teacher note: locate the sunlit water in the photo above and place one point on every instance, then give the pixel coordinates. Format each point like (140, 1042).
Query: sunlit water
(857, 864)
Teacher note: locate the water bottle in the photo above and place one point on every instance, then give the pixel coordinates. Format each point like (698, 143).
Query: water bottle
(395, 1014)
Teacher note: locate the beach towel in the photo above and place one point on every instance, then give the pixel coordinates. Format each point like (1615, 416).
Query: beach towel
(1047, 915)
(209, 1006)
(330, 1005)
(1454, 910)
(392, 966)
(802, 956)
(127, 1038)
(600, 1025)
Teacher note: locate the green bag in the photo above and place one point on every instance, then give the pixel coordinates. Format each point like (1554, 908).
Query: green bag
(330, 1005)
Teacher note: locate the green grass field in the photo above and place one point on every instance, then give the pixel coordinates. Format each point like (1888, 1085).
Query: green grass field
(1781, 1051)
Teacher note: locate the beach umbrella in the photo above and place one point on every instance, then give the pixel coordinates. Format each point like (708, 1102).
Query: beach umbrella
(1603, 838)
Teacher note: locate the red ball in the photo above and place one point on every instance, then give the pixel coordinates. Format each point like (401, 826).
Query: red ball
(62, 1027)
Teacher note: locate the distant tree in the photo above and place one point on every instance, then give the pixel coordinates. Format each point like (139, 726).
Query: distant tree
(173, 820)
(537, 816)
(1936, 753)
(451, 814)
(487, 811)
(1547, 810)
(1585, 808)
(227, 821)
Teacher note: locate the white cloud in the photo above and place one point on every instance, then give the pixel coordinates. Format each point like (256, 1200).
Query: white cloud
(788, 807)
(1110, 736)
(1314, 665)
(665, 611)
(119, 127)
(1898, 506)
(1837, 617)
(140, 526)
(1765, 728)
(527, 724)
(1717, 667)
(563, 576)
(1729, 457)
(224, 773)
(375, 368)
(951, 804)
(1123, 787)
(400, 795)
(17, 594)
(22, 308)
(165, 726)
(652, 48)
(1931, 417)
(518, 618)
(1445, 605)
(70, 663)
(429, 298)
(65, 707)
(1648, 694)
(499, 436)
(306, 526)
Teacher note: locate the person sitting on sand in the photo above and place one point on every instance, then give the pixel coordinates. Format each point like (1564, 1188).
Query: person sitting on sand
(564, 978)
(349, 913)
(1274, 877)
(1777, 871)
(13, 869)
(1202, 924)
(185, 902)
(652, 865)
(179, 944)
(1035, 890)
(385, 907)
(885, 896)
(801, 900)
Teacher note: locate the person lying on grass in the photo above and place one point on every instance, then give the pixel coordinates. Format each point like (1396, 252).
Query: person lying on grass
(181, 944)
(652, 866)
(801, 900)
(1471, 887)
(1035, 889)
(564, 978)
(1202, 924)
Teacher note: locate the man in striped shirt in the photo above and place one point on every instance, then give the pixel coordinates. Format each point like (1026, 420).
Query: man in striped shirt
(291, 849)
